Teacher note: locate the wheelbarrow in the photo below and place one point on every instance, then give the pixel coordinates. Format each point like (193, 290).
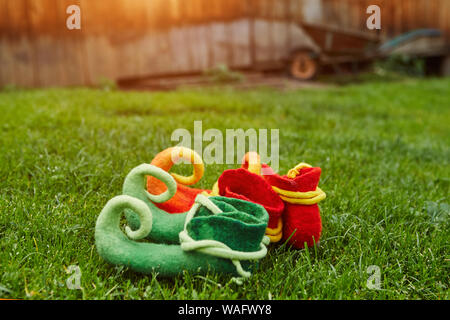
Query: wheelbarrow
(334, 46)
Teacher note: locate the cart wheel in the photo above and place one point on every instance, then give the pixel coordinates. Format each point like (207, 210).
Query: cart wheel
(304, 66)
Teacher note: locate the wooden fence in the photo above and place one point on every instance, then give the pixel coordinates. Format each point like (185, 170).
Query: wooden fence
(132, 38)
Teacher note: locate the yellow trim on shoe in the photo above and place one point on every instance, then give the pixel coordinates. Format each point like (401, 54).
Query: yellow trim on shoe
(297, 197)
(275, 234)
(295, 171)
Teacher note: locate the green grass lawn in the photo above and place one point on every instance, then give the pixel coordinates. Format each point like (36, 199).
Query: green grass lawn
(383, 149)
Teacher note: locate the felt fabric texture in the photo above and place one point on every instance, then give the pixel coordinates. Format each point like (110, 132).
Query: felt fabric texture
(184, 197)
(302, 221)
(237, 226)
(252, 162)
(240, 225)
(243, 184)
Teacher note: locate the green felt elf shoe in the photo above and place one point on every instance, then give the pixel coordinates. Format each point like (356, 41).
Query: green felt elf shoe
(219, 234)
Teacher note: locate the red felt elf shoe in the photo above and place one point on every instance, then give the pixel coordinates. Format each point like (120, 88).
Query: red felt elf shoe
(247, 184)
(184, 198)
(300, 192)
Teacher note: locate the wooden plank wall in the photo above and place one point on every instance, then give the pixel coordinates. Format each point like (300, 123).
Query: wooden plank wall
(122, 38)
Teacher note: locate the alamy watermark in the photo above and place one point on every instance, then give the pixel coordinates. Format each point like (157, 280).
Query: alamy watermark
(231, 148)
(74, 281)
(374, 280)
(374, 20)
(74, 20)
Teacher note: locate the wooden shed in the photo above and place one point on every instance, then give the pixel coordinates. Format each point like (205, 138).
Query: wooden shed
(122, 39)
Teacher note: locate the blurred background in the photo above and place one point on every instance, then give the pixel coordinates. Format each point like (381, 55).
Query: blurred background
(164, 43)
